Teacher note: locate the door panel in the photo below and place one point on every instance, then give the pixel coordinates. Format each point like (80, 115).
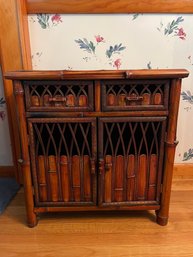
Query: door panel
(63, 154)
(130, 160)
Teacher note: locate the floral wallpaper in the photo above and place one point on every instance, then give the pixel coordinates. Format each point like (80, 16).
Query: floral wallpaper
(120, 41)
(5, 144)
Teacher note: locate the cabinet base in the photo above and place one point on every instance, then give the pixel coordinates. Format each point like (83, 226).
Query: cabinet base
(31, 223)
(162, 221)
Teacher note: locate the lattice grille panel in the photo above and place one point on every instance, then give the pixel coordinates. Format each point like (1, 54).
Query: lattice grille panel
(135, 94)
(136, 138)
(63, 161)
(133, 157)
(59, 94)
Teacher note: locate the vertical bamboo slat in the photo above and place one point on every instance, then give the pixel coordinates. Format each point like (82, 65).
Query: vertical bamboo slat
(157, 99)
(29, 199)
(146, 99)
(76, 177)
(70, 100)
(42, 178)
(122, 100)
(82, 101)
(108, 180)
(141, 177)
(46, 100)
(130, 177)
(65, 178)
(53, 177)
(87, 178)
(111, 100)
(119, 168)
(35, 100)
(152, 177)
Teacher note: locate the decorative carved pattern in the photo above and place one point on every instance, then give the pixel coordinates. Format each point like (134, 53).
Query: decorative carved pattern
(135, 94)
(63, 160)
(64, 95)
(132, 151)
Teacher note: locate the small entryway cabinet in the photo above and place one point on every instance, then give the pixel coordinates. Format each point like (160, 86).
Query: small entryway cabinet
(97, 140)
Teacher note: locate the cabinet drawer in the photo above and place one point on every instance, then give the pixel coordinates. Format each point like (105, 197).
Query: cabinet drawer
(135, 95)
(59, 95)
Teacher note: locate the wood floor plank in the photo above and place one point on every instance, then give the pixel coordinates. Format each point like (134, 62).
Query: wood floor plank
(112, 234)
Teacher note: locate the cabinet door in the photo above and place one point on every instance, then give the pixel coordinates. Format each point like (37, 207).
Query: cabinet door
(63, 159)
(130, 160)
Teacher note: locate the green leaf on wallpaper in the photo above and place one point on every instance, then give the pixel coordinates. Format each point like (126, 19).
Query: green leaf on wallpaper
(2, 101)
(85, 45)
(173, 26)
(43, 20)
(135, 16)
(92, 47)
(116, 49)
(188, 155)
(187, 96)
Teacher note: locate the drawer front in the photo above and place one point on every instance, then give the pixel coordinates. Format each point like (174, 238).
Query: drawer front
(119, 95)
(59, 95)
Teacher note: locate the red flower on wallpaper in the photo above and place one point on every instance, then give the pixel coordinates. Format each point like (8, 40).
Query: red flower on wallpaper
(2, 115)
(56, 18)
(172, 28)
(45, 22)
(117, 63)
(181, 34)
(99, 39)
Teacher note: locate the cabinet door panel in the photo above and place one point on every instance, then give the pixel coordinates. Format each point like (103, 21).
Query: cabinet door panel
(131, 157)
(63, 154)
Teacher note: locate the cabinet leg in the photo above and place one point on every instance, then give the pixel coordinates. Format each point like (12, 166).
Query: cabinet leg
(160, 219)
(32, 220)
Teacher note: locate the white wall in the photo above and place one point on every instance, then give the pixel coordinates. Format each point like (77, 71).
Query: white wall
(5, 144)
(117, 41)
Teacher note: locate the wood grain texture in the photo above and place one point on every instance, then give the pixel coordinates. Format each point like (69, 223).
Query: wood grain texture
(25, 164)
(24, 34)
(99, 74)
(7, 171)
(109, 6)
(183, 170)
(101, 234)
(116, 195)
(10, 59)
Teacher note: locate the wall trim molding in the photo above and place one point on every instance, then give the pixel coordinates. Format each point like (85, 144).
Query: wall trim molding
(109, 6)
(7, 171)
(183, 171)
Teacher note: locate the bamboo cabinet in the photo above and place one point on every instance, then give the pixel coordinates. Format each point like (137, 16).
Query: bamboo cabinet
(97, 140)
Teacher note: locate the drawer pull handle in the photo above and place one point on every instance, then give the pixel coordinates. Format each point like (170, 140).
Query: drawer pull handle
(134, 98)
(57, 99)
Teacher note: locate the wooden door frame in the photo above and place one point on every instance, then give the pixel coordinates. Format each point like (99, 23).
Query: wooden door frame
(15, 47)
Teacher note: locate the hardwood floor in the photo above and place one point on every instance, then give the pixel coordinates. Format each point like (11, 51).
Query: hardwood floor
(122, 234)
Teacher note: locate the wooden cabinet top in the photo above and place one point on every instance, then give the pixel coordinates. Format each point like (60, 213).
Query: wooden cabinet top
(97, 74)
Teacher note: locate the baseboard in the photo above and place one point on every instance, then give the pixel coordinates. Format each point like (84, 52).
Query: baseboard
(7, 171)
(183, 171)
